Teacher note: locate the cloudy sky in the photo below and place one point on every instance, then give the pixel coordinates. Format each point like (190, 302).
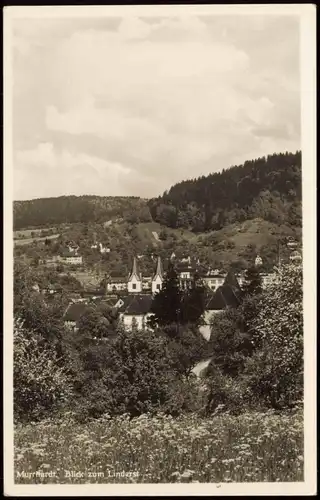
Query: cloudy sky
(130, 106)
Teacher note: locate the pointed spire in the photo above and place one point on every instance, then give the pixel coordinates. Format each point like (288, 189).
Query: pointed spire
(159, 269)
(134, 271)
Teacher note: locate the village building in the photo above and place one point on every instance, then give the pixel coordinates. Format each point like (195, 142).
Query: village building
(73, 314)
(186, 269)
(134, 310)
(158, 277)
(72, 247)
(258, 261)
(213, 278)
(146, 283)
(115, 283)
(71, 258)
(296, 256)
(134, 279)
(103, 249)
(228, 295)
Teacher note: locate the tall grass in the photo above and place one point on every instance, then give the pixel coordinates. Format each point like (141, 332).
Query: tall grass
(250, 447)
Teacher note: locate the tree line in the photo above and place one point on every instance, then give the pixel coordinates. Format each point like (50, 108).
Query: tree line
(268, 188)
(44, 212)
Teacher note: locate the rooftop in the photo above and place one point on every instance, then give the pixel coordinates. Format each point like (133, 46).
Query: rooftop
(75, 311)
(136, 304)
(224, 296)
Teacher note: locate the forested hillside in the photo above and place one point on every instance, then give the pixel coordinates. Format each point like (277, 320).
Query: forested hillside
(71, 209)
(267, 188)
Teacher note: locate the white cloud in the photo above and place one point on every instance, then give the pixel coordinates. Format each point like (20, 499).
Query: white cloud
(165, 101)
(47, 172)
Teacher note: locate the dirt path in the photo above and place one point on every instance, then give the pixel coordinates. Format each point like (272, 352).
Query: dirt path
(198, 369)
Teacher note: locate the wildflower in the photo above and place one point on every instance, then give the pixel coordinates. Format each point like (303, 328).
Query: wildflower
(187, 474)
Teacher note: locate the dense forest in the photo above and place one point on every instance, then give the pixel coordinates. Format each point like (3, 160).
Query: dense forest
(72, 209)
(268, 188)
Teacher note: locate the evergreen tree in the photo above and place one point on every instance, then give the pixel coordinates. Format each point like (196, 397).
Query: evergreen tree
(192, 306)
(252, 281)
(166, 305)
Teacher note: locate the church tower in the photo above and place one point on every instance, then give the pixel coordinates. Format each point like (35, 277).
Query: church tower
(157, 279)
(135, 279)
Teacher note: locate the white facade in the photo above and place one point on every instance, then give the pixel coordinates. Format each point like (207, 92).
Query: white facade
(156, 284)
(214, 282)
(117, 286)
(134, 284)
(73, 248)
(258, 261)
(139, 321)
(104, 249)
(186, 259)
(185, 275)
(71, 325)
(72, 259)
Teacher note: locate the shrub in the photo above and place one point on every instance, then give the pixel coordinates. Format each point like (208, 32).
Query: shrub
(186, 348)
(225, 392)
(40, 384)
(275, 372)
(134, 373)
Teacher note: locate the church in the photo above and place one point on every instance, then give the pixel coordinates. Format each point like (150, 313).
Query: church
(134, 308)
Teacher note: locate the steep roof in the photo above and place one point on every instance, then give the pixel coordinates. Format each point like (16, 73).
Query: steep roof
(136, 304)
(224, 296)
(214, 272)
(75, 311)
(66, 253)
(135, 272)
(231, 280)
(116, 279)
(185, 266)
(114, 275)
(159, 269)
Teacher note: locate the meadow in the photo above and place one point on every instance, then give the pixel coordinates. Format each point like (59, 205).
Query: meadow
(252, 447)
(28, 241)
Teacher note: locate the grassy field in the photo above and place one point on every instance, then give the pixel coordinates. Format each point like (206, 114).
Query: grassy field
(26, 233)
(27, 241)
(86, 278)
(253, 447)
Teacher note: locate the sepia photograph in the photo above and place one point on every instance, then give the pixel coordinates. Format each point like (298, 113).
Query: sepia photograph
(160, 262)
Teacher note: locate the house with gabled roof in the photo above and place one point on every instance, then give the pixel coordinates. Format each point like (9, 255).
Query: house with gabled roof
(68, 257)
(213, 278)
(115, 283)
(134, 310)
(73, 314)
(228, 295)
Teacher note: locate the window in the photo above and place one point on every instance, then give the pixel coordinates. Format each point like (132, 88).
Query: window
(134, 286)
(158, 287)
